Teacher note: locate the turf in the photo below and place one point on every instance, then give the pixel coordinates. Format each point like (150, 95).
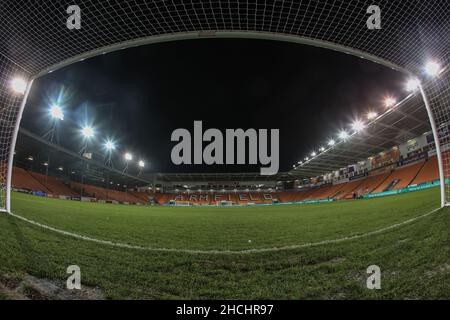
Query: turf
(414, 259)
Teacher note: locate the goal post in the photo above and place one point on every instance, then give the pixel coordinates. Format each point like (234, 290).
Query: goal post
(436, 143)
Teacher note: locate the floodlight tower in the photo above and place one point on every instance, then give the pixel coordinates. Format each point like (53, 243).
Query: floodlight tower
(128, 157)
(87, 133)
(56, 114)
(141, 165)
(110, 146)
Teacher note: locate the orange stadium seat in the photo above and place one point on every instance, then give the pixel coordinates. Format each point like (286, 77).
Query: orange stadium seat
(53, 185)
(348, 188)
(22, 179)
(429, 172)
(371, 183)
(400, 178)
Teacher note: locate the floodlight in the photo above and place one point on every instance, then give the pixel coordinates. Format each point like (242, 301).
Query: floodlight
(109, 145)
(371, 115)
(19, 85)
(88, 132)
(331, 142)
(56, 112)
(412, 84)
(343, 135)
(306, 159)
(141, 164)
(321, 149)
(313, 154)
(128, 156)
(358, 125)
(432, 68)
(389, 102)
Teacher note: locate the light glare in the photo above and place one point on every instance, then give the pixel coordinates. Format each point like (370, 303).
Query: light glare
(343, 135)
(19, 85)
(432, 68)
(56, 112)
(141, 164)
(358, 126)
(128, 156)
(389, 102)
(87, 132)
(109, 145)
(412, 85)
(371, 115)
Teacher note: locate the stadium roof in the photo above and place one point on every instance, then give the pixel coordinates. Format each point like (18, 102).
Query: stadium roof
(250, 177)
(41, 150)
(407, 120)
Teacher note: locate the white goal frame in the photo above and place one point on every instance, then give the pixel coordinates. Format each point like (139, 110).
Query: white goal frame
(335, 25)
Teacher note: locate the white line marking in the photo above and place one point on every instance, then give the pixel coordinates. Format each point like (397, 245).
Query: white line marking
(218, 252)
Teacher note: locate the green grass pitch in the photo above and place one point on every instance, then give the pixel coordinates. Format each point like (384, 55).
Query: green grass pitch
(414, 258)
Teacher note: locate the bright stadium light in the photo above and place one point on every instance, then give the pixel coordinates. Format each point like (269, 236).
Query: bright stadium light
(412, 84)
(371, 115)
(19, 85)
(128, 156)
(56, 112)
(321, 149)
(432, 68)
(343, 135)
(358, 126)
(110, 145)
(87, 132)
(313, 154)
(306, 159)
(141, 164)
(389, 102)
(331, 142)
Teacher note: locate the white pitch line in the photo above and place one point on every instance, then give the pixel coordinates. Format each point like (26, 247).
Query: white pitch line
(219, 252)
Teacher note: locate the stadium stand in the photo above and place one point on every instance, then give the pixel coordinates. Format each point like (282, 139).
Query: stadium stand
(22, 179)
(53, 185)
(369, 184)
(400, 178)
(429, 172)
(379, 180)
(347, 190)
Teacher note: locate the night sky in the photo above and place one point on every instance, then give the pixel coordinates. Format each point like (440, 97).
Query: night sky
(140, 95)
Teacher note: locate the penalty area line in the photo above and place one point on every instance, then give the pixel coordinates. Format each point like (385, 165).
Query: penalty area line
(224, 252)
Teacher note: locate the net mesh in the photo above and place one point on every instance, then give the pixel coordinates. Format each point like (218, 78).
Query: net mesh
(9, 107)
(34, 36)
(438, 93)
